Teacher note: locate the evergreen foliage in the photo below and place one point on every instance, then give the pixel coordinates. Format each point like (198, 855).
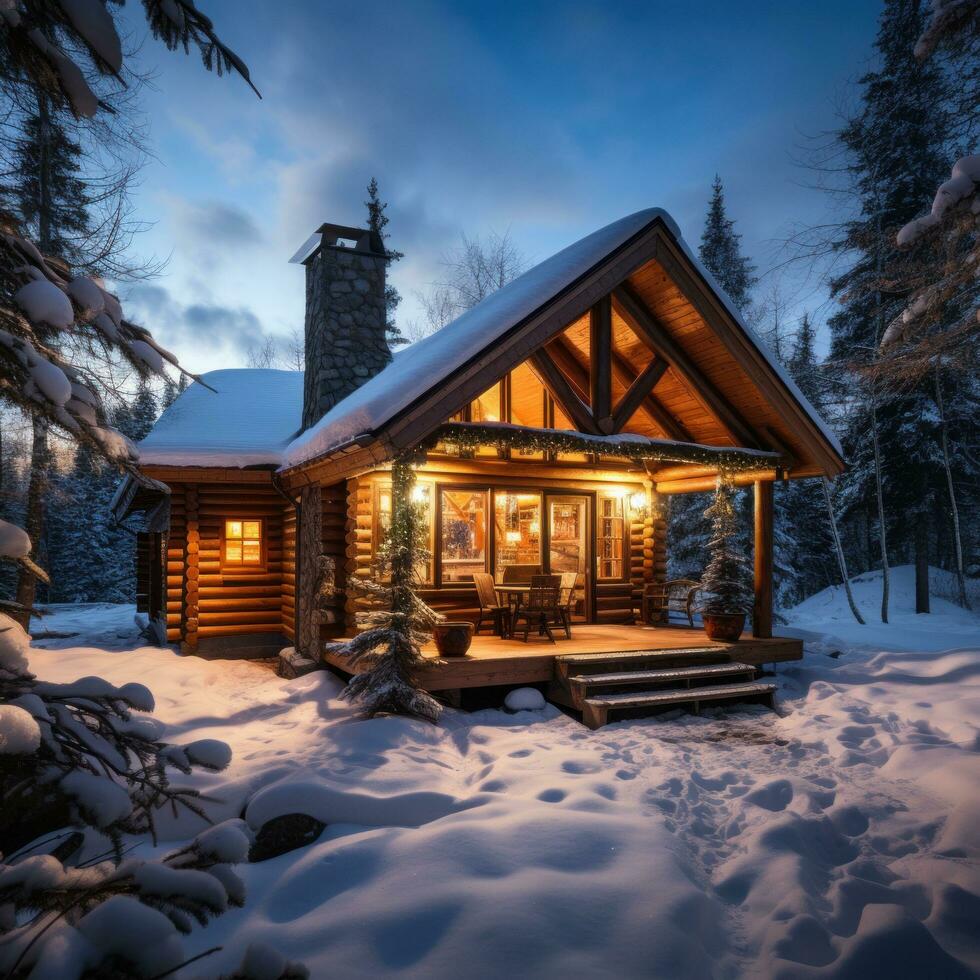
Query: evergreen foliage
(51, 199)
(397, 624)
(897, 151)
(727, 581)
(377, 222)
(721, 253)
(689, 530)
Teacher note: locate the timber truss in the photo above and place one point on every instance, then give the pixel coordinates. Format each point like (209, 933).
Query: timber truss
(586, 394)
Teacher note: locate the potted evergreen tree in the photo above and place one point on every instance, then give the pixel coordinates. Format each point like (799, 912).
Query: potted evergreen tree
(726, 587)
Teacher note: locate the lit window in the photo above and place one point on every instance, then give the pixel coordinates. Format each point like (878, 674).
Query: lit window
(464, 534)
(243, 543)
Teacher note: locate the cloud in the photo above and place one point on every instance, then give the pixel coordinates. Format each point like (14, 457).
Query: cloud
(196, 325)
(220, 223)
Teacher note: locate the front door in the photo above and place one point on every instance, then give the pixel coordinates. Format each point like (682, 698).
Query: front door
(568, 547)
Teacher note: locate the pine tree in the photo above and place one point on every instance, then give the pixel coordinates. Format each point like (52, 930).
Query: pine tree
(172, 390)
(727, 581)
(896, 152)
(377, 222)
(51, 199)
(689, 530)
(721, 253)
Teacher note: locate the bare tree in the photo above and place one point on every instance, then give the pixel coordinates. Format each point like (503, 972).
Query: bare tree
(475, 268)
(264, 355)
(294, 350)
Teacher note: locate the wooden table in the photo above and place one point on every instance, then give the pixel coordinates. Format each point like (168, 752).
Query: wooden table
(513, 596)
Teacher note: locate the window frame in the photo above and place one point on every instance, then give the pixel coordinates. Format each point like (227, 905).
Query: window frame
(243, 566)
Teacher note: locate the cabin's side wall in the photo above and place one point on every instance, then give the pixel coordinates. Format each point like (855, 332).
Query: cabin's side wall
(288, 610)
(215, 610)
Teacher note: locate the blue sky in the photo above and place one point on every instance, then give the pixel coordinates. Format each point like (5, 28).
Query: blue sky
(543, 119)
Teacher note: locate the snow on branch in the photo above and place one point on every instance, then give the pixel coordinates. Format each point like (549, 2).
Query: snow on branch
(42, 307)
(41, 38)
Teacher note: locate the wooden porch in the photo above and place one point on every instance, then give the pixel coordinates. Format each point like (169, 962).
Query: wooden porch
(493, 661)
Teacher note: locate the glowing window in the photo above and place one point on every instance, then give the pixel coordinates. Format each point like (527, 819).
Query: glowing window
(243, 543)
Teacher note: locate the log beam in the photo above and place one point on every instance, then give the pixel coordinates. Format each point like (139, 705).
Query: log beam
(762, 606)
(560, 389)
(600, 364)
(646, 326)
(637, 392)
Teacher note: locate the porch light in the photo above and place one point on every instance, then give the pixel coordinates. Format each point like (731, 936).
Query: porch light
(638, 502)
(420, 494)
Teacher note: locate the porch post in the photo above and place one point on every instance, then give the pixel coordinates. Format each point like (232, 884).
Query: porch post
(762, 606)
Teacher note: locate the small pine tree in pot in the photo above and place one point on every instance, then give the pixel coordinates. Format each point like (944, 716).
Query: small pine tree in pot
(727, 582)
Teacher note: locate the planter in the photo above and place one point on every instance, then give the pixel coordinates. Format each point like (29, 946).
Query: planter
(725, 627)
(452, 639)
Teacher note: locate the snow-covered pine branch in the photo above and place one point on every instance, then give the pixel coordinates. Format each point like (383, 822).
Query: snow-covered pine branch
(952, 224)
(85, 753)
(949, 21)
(951, 227)
(42, 306)
(38, 42)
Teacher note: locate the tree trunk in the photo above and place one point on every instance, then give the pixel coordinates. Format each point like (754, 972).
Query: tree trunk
(34, 514)
(953, 507)
(841, 560)
(922, 564)
(882, 542)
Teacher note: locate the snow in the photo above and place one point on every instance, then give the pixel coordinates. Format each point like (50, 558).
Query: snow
(104, 801)
(44, 302)
(524, 699)
(144, 936)
(226, 842)
(14, 541)
(246, 421)
(20, 734)
(87, 295)
(837, 837)
(416, 368)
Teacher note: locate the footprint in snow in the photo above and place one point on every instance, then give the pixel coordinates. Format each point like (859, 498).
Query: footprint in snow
(580, 766)
(551, 795)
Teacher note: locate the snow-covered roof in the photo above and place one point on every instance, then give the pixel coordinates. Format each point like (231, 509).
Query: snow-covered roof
(256, 416)
(426, 362)
(248, 420)
(435, 357)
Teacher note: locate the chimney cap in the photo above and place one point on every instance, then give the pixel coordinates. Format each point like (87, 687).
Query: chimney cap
(330, 235)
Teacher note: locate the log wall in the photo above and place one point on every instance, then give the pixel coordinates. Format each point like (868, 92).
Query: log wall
(205, 600)
(613, 601)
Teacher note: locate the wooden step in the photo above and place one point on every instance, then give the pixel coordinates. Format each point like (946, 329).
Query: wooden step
(574, 664)
(596, 708)
(582, 685)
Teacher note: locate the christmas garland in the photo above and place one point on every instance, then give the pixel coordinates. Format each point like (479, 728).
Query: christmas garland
(468, 436)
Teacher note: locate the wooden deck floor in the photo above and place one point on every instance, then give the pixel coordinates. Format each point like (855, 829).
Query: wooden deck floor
(492, 660)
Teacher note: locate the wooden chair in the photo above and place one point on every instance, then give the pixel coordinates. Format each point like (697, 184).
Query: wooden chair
(486, 594)
(520, 574)
(569, 582)
(660, 599)
(543, 606)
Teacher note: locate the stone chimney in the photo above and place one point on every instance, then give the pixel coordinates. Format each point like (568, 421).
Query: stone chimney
(345, 315)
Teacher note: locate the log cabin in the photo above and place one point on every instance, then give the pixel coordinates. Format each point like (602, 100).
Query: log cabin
(549, 424)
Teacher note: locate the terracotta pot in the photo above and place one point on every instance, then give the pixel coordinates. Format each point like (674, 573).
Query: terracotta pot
(726, 627)
(452, 639)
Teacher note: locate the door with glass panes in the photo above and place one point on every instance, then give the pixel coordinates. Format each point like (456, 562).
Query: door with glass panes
(569, 545)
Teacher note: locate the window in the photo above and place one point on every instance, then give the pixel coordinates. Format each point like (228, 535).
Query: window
(421, 496)
(517, 539)
(243, 544)
(463, 534)
(611, 532)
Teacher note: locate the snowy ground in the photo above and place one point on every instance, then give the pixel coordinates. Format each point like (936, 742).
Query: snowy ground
(840, 837)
